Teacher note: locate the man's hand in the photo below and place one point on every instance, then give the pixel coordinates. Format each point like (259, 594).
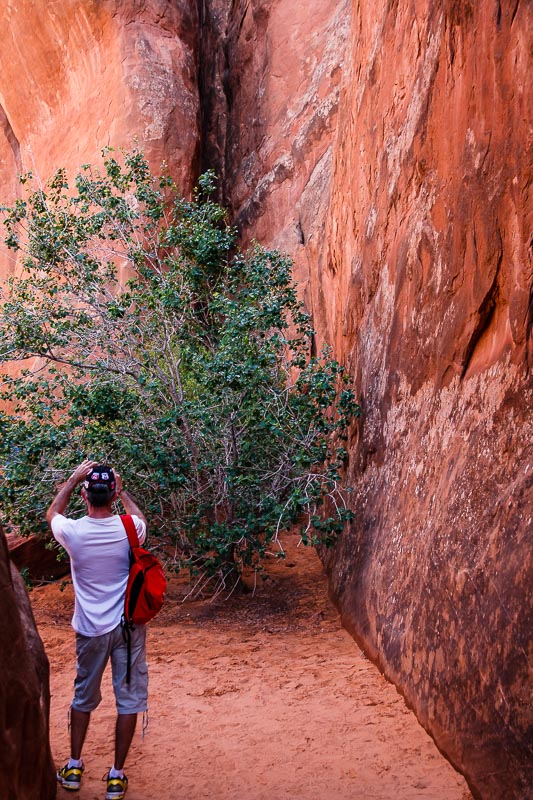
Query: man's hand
(118, 484)
(129, 503)
(81, 472)
(60, 502)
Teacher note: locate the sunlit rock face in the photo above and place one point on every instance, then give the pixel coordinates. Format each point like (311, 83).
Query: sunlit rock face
(26, 768)
(384, 145)
(426, 286)
(404, 202)
(79, 76)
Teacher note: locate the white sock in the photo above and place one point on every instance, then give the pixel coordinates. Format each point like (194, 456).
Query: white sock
(74, 762)
(116, 773)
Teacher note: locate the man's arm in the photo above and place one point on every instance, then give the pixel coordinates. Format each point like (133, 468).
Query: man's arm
(129, 502)
(60, 502)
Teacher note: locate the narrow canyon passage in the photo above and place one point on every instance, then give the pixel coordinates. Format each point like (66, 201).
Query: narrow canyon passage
(263, 697)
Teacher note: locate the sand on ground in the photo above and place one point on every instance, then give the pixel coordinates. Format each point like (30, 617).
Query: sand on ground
(262, 697)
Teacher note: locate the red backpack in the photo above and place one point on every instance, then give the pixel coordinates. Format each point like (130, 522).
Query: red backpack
(146, 587)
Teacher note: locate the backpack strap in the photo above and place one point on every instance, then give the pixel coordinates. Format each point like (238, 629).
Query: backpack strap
(131, 530)
(126, 635)
(133, 540)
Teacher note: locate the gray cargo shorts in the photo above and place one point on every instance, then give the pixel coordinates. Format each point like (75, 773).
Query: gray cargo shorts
(92, 655)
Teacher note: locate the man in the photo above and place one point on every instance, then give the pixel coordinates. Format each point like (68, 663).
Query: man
(99, 554)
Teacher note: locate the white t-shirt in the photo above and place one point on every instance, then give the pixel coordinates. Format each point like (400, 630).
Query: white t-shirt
(99, 561)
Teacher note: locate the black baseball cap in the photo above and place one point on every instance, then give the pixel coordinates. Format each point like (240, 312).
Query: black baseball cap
(100, 476)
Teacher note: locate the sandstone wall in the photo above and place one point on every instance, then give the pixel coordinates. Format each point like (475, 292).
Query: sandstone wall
(77, 77)
(428, 280)
(26, 767)
(405, 205)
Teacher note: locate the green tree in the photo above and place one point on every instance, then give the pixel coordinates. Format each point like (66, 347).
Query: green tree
(144, 337)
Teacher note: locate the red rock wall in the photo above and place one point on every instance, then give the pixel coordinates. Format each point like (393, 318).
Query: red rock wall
(76, 77)
(428, 280)
(385, 146)
(404, 202)
(26, 768)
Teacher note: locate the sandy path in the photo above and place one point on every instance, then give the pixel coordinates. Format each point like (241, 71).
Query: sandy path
(261, 698)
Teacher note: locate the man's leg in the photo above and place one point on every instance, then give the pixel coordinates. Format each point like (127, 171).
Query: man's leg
(71, 774)
(79, 722)
(92, 654)
(124, 731)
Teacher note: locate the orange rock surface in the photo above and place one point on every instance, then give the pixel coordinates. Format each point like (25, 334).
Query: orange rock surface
(427, 284)
(77, 77)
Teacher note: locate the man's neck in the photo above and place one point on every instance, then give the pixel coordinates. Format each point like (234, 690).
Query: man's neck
(99, 513)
